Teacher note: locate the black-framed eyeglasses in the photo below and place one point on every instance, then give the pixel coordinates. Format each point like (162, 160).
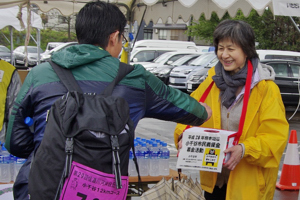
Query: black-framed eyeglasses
(124, 39)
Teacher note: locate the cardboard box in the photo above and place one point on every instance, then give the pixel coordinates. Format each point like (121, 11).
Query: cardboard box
(202, 149)
(22, 74)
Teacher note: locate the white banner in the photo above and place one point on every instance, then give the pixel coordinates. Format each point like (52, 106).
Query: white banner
(287, 7)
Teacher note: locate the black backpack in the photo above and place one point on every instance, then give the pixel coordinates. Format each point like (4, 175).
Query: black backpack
(93, 130)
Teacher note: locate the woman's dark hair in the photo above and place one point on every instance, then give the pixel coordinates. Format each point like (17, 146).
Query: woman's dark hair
(239, 32)
(96, 21)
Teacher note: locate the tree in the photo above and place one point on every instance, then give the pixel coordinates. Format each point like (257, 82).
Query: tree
(47, 35)
(44, 18)
(203, 29)
(271, 32)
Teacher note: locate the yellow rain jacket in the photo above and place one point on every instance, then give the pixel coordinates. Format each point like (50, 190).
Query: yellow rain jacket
(265, 135)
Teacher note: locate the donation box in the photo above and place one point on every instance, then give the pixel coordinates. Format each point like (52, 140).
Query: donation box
(203, 149)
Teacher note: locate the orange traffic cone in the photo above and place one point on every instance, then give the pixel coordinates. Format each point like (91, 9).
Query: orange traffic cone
(290, 174)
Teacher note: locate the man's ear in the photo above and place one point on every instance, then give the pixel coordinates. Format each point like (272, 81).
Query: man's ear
(114, 38)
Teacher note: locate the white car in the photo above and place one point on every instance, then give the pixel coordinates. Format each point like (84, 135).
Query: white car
(32, 51)
(180, 75)
(52, 45)
(168, 58)
(46, 56)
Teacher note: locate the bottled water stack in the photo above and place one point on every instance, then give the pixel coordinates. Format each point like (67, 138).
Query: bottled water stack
(153, 158)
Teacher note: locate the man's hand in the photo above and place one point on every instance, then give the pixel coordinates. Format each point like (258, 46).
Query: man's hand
(179, 144)
(208, 110)
(235, 157)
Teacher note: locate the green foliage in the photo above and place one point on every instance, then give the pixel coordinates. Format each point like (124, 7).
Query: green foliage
(47, 35)
(271, 32)
(203, 29)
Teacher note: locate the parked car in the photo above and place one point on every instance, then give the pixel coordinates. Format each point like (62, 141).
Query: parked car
(19, 55)
(147, 55)
(46, 56)
(5, 54)
(146, 51)
(168, 58)
(163, 72)
(52, 45)
(196, 78)
(179, 75)
(287, 79)
(278, 54)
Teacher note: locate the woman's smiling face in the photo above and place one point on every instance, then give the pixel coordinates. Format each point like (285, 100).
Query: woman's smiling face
(231, 55)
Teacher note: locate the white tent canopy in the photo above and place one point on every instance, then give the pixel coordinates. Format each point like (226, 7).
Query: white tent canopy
(158, 8)
(9, 18)
(170, 8)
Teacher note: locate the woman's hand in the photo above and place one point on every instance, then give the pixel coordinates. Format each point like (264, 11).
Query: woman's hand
(235, 157)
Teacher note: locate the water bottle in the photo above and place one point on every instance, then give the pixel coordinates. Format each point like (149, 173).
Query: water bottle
(18, 164)
(164, 160)
(149, 144)
(29, 122)
(154, 160)
(5, 175)
(12, 167)
(143, 160)
(158, 142)
(131, 166)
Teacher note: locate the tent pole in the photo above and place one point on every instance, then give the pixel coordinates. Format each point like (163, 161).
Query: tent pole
(295, 24)
(12, 60)
(38, 38)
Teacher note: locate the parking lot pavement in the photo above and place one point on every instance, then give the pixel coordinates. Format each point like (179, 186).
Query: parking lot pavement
(152, 128)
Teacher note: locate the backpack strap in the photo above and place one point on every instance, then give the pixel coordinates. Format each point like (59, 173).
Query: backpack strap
(124, 69)
(66, 77)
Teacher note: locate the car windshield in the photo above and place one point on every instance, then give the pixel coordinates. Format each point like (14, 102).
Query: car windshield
(53, 45)
(203, 60)
(4, 49)
(58, 47)
(33, 50)
(184, 59)
(212, 63)
(161, 58)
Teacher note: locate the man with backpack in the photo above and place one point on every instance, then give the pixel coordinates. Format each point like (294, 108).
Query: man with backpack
(94, 64)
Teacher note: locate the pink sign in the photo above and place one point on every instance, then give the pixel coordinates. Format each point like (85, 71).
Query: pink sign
(85, 183)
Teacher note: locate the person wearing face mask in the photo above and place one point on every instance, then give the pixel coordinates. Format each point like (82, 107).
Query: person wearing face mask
(251, 171)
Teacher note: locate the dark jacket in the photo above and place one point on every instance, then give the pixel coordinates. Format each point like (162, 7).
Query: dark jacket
(93, 68)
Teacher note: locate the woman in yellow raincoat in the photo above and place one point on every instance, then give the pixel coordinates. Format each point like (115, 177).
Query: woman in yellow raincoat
(251, 171)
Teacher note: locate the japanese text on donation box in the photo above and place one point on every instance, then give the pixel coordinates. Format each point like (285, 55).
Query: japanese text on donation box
(202, 149)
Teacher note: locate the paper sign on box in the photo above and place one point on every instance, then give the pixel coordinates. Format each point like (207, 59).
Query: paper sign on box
(87, 183)
(202, 149)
